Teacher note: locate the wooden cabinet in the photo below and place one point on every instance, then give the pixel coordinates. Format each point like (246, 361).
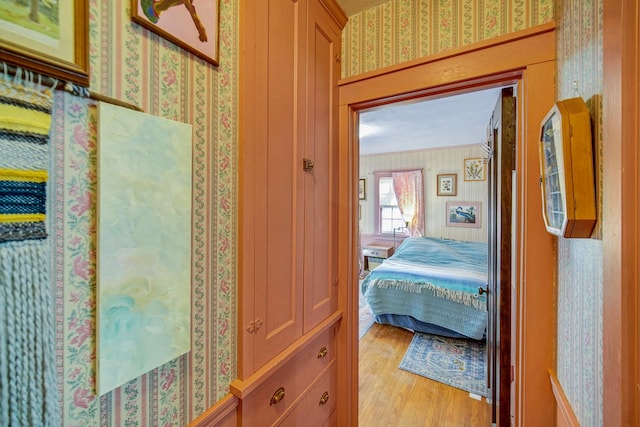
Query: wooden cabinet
(288, 175)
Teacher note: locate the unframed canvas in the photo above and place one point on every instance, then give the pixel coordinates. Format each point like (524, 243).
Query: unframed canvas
(144, 243)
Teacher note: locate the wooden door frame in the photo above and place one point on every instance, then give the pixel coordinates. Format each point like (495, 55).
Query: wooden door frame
(528, 59)
(621, 231)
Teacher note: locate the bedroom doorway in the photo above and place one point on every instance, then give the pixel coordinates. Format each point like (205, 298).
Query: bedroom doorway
(376, 248)
(526, 60)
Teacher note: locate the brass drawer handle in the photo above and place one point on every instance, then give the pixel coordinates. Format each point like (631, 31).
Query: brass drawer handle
(277, 396)
(322, 353)
(325, 398)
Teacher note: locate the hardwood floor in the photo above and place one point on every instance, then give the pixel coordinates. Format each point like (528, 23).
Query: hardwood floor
(390, 396)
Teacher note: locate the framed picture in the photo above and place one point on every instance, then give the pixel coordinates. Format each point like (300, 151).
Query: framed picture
(447, 184)
(474, 169)
(362, 190)
(50, 38)
(192, 25)
(464, 214)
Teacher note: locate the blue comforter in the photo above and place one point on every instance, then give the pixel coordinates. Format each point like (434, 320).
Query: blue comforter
(434, 281)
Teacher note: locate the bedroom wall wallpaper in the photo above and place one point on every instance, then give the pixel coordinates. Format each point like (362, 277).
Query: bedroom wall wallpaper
(580, 277)
(433, 162)
(138, 67)
(402, 30)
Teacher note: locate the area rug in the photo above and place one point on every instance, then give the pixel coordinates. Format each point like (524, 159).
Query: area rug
(456, 362)
(365, 317)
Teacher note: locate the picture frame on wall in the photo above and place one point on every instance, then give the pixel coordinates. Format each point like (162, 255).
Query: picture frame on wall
(464, 214)
(194, 25)
(447, 184)
(474, 169)
(362, 189)
(51, 39)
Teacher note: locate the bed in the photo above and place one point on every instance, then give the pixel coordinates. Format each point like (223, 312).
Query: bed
(431, 285)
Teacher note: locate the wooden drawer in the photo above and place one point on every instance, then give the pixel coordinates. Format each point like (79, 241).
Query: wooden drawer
(377, 251)
(290, 381)
(317, 405)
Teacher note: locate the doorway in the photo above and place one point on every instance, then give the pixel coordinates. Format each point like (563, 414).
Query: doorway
(525, 60)
(431, 136)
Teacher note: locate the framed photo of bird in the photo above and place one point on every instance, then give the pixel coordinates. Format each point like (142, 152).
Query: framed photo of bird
(191, 24)
(48, 37)
(464, 214)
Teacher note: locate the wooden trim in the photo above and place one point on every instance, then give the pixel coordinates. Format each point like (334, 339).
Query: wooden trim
(242, 388)
(335, 11)
(565, 414)
(621, 115)
(527, 59)
(221, 414)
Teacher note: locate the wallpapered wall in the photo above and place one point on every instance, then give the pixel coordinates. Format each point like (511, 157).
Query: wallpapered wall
(138, 67)
(401, 30)
(433, 162)
(580, 277)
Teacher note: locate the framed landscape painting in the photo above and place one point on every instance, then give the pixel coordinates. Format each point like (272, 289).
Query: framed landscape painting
(192, 25)
(50, 38)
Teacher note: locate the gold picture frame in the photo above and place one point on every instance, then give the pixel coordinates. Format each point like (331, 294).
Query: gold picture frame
(362, 189)
(194, 26)
(474, 169)
(51, 40)
(447, 184)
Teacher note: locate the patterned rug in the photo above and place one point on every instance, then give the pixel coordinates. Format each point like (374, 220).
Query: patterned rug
(456, 362)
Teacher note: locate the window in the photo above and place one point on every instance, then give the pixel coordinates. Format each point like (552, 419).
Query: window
(389, 218)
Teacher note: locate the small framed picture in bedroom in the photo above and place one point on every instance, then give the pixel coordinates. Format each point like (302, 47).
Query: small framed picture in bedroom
(464, 214)
(447, 184)
(474, 169)
(362, 189)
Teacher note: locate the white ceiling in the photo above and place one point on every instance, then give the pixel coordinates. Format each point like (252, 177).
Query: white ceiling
(444, 122)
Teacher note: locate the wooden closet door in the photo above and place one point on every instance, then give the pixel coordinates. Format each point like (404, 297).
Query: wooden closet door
(320, 183)
(271, 186)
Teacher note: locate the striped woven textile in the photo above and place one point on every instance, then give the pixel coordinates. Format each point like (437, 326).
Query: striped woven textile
(28, 386)
(25, 119)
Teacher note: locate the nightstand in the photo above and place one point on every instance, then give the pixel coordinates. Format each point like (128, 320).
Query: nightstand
(374, 253)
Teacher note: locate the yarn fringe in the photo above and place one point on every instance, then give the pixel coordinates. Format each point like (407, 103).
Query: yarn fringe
(28, 387)
(461, 297)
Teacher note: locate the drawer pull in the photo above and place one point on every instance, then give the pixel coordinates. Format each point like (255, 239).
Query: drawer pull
(277, 396)
(322, 353)
(325, 398)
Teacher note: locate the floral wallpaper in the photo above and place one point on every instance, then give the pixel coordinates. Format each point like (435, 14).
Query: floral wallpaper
(402, 30)
(580, 268)
(140, 68)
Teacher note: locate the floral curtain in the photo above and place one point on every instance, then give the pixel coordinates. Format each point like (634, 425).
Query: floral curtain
(409, 189)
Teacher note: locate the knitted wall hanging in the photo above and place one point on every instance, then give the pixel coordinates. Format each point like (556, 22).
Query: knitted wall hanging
(28, 389)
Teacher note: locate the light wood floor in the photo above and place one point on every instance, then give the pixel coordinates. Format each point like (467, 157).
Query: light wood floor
(390, 396)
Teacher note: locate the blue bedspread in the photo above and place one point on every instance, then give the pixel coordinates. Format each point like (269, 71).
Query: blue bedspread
(434, 281)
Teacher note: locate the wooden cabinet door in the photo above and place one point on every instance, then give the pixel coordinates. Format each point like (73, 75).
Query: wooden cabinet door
(271, 190)
(320, 182)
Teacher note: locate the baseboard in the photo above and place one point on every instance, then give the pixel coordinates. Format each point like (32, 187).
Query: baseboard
(565, 417)
(221, 414)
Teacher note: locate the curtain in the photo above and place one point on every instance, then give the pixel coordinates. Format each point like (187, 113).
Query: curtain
(409, 191)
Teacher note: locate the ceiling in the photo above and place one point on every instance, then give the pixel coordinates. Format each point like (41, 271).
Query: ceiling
(352, 7)
(421, 124)
(417, 125)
